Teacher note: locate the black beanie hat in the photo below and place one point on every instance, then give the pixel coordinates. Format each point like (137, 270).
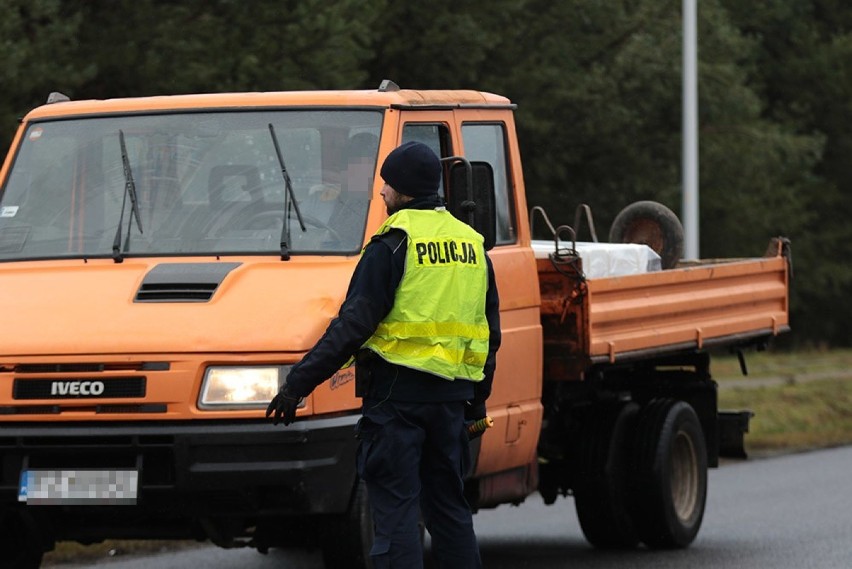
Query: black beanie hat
(412, 170)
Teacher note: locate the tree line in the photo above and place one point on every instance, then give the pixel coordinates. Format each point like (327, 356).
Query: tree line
(597, 84)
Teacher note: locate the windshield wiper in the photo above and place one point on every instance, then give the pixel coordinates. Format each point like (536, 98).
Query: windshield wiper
(289, 198)
(129, 190)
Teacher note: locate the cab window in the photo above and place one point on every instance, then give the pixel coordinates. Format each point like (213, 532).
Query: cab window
(435, 136)
(486, 142)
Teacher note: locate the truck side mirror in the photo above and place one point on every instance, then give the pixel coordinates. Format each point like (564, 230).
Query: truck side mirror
(471, 197)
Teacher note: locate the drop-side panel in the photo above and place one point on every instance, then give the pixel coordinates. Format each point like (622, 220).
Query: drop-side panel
(693, 306)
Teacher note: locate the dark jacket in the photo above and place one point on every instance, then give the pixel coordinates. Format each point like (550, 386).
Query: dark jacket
(369, 299)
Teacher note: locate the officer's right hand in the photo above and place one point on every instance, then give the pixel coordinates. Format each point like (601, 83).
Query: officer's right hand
(283, 406)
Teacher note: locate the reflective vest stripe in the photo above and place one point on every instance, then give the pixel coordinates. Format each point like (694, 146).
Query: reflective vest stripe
(432, 329)
(460, 357)
(437, 323)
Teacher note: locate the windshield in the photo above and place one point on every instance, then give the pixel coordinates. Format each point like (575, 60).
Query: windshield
(206, 183)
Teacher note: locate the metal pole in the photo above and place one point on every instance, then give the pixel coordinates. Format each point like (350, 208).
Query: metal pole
(690, 130)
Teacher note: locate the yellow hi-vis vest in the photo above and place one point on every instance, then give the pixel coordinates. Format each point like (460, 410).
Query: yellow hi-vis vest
(437, 323)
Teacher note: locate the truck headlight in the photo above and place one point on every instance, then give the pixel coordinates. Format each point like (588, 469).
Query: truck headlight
(249, 387)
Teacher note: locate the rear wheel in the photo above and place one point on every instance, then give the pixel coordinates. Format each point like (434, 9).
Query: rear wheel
(600, 493)
(670, 484)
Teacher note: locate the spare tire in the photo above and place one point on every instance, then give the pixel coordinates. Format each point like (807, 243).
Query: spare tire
(652, 224)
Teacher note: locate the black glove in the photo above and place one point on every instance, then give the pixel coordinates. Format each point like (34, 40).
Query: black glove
(473, 412)
(283, 406)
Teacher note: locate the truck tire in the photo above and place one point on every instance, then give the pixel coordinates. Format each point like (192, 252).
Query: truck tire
(600, 494)
(19, 544)
(349, 538)
(652, 224)
(670, 481)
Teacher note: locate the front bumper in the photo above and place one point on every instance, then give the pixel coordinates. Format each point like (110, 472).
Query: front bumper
(191, 471)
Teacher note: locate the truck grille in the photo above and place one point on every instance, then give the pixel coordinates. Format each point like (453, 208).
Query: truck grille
(78, 388)
(90, 367)
(84, 389)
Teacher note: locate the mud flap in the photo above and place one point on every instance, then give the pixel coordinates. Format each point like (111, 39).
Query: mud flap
(733, 425)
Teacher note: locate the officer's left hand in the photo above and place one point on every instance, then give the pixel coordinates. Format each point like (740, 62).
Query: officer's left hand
(473, 412)
(283, 406)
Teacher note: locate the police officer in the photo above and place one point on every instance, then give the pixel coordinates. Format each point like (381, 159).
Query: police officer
(422, 318)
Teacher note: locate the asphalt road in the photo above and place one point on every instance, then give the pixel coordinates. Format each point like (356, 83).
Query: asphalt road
(785, 512)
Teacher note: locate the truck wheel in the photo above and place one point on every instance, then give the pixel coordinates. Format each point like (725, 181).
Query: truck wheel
(349, 538)
(670, 483)
(19, 546)
(600, 494)
(652, 224)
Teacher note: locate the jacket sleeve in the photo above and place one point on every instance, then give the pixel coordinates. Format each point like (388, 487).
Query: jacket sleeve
(482, 389)
(369, 299)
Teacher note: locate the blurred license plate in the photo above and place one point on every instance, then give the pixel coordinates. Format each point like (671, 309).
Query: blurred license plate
(78, 487)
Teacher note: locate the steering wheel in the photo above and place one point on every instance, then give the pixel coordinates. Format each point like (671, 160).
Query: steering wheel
(274, 218)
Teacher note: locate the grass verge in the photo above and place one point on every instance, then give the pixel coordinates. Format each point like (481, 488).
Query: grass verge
(794, 417)
(792, 366)
(801, 400)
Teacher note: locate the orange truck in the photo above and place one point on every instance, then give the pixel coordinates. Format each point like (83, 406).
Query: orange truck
(164, 260)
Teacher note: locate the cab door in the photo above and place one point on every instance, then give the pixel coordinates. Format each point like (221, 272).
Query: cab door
(515, 403)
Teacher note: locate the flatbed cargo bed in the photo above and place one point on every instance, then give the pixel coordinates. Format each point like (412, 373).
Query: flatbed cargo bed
(694, 306)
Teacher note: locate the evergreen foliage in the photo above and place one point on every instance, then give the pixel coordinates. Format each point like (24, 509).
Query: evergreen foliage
(598, 88)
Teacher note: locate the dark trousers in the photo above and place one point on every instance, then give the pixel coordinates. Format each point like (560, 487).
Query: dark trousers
(413, 457)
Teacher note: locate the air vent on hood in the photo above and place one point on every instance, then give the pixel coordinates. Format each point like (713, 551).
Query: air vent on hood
(183, 282)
